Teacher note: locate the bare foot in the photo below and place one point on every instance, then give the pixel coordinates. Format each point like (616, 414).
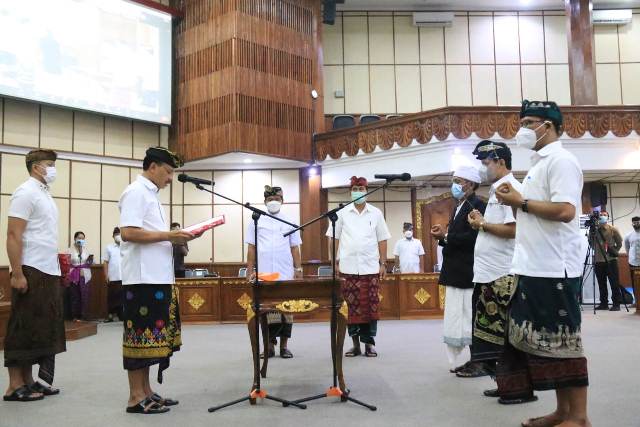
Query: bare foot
(575, 423)
(551, 420)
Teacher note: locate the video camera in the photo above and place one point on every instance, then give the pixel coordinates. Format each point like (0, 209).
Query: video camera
(590, 220)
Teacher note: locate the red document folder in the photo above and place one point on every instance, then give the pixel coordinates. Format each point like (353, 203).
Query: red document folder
(203, 226)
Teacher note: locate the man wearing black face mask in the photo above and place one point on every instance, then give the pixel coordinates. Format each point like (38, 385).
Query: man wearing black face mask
(632, 247)
(608, 243)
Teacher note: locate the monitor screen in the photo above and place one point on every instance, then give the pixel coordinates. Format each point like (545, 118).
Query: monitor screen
(106, 56)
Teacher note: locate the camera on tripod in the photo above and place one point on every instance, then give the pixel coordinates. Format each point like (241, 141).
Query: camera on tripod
(592, 220)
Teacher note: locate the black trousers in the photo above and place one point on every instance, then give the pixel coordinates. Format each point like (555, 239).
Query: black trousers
(608, 270)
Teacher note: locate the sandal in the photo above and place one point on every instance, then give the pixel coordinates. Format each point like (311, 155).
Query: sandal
(38, 387)
(23, 394)
(162, 400)
(271, 353)
(147, 407)
(459, 368)
(517, 400)
(370, 352)
(286, 354)
(355, 351)
(472, 371)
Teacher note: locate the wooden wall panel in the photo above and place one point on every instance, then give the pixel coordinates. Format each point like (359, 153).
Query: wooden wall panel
(245, 71)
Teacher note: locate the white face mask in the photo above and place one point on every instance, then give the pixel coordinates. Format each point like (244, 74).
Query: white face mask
(408, 234)
(527, 138)
(118, 239)
(273, 206)
(50, 172)
(484, 174)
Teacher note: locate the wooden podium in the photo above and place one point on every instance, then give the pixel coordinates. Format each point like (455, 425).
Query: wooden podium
(291, 297)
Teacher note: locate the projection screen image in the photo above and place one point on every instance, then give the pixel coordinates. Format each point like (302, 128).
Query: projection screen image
(107, 56)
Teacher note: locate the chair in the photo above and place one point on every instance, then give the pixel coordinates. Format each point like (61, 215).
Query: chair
(393, 116)
(342, 121)
(369, 118)
(325, 270)
(242, 272)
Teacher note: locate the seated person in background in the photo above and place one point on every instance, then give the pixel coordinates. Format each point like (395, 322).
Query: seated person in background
(276, 254)
(180, 250)
(409, 252)
(113, 275)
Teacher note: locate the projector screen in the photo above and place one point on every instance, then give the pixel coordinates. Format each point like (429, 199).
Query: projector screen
(107, 56)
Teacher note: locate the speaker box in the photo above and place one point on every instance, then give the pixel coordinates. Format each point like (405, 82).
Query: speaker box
(599, 195)
(329, 12)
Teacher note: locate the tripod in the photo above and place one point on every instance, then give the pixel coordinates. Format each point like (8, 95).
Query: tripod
(257, 390)
(594, 244)
(335, 391)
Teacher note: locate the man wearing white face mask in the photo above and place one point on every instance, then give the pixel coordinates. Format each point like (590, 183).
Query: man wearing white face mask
(409, 252)
(113, 274)
(35, 332)
(276, 254)
(458, 240)
(544, 349)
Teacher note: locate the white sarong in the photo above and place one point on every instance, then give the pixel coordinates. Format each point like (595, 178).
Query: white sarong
(458, 315)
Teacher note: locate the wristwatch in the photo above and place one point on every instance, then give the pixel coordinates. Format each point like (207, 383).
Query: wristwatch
(525, 206)
(481, 228)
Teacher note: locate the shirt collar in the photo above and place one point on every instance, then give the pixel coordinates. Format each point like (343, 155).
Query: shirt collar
(502, 180)
(40, 185)
(549, 149)
(353, 208)
(148, 183)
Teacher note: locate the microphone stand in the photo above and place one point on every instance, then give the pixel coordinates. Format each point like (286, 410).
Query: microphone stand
(332, 216)
(257, 391)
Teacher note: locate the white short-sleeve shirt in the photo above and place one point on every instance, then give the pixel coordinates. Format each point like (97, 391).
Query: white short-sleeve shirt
(550, 248)
(409, 252)
(144, 263)
(492, 254)
(274, 250)
(112, 256)
(33, 203)
(358, 234)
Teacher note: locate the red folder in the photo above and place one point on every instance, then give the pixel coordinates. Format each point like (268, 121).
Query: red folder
(203, 226)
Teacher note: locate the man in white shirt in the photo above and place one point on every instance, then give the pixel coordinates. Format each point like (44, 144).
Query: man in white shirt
(150, 313)
(361, 234)
(545, 347)
(493, 253)
(35, 332)
(632, 247)
(113, 274)
(276, 254)
(409, 252)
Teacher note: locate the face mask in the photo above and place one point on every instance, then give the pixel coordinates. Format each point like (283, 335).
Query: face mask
(356, 194)
(527, 138)
(50, 174)
(484, 173)
(408, 234)
(80, 242)
(273, 206)
(456, 191)
(118, 239)
(604, 219)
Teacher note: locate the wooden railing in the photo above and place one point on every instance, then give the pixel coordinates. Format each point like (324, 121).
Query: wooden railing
(462, 122)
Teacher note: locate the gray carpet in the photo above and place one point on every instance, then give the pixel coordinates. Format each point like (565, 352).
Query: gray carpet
(409, 381)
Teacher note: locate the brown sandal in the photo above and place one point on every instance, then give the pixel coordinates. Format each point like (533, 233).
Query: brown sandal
(355, 351)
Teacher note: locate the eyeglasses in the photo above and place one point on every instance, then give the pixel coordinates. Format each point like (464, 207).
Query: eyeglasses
(527, 123)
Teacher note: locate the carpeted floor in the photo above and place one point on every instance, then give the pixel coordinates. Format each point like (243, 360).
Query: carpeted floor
(409, 381)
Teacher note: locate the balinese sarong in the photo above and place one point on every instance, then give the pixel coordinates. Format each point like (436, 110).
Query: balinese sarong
(79, 292)
(458, 315)
(491, 301)
(151, 320)
(280, 324)
(361, 293)
(35, 332)
(544, 349)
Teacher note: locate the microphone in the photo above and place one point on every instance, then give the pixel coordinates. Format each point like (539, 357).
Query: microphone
(183, 177)
(393, 177)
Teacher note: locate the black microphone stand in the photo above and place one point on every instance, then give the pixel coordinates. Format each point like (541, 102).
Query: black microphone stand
(332, 216)
(257, 391)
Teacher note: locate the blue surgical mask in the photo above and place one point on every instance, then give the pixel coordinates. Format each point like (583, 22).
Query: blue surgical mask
(603, 219)
(80, 242)
(456, 191)
(356, 194)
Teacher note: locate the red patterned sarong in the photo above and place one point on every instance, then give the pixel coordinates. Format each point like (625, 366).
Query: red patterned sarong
(361, 295)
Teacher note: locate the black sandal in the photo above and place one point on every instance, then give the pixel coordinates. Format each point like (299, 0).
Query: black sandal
(147, 407)
(271, 353)
(163, 400)
(38, 387)
(22, 394)
(286, 354)
(355, 351)
(517, 400)
(370, 352)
